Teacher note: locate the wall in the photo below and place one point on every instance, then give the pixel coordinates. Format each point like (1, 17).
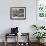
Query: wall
(24, 25)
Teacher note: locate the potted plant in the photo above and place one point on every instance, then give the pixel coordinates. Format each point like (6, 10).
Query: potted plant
(39, 35)
(38, 27)
(35, 26)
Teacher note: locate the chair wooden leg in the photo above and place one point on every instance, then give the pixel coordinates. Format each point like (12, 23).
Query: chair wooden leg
(17, 39)
(5, 40)
(5, 43)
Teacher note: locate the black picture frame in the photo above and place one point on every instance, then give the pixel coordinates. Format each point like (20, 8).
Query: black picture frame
(17, 13)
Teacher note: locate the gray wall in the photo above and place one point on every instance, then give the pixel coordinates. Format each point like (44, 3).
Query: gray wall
(24, 25)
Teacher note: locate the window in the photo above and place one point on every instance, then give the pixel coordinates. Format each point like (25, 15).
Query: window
(41, 8)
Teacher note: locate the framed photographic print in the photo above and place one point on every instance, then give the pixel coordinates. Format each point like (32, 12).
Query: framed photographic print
(18, 13)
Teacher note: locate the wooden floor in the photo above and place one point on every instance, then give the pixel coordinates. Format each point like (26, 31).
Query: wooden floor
(13, 44)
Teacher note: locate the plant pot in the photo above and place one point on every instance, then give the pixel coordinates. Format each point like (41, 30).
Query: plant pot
(40, 41)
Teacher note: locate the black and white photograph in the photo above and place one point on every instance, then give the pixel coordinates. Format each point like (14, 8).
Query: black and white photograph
(18, 13)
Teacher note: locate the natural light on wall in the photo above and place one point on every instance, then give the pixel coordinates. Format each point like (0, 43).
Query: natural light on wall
(41, 9)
